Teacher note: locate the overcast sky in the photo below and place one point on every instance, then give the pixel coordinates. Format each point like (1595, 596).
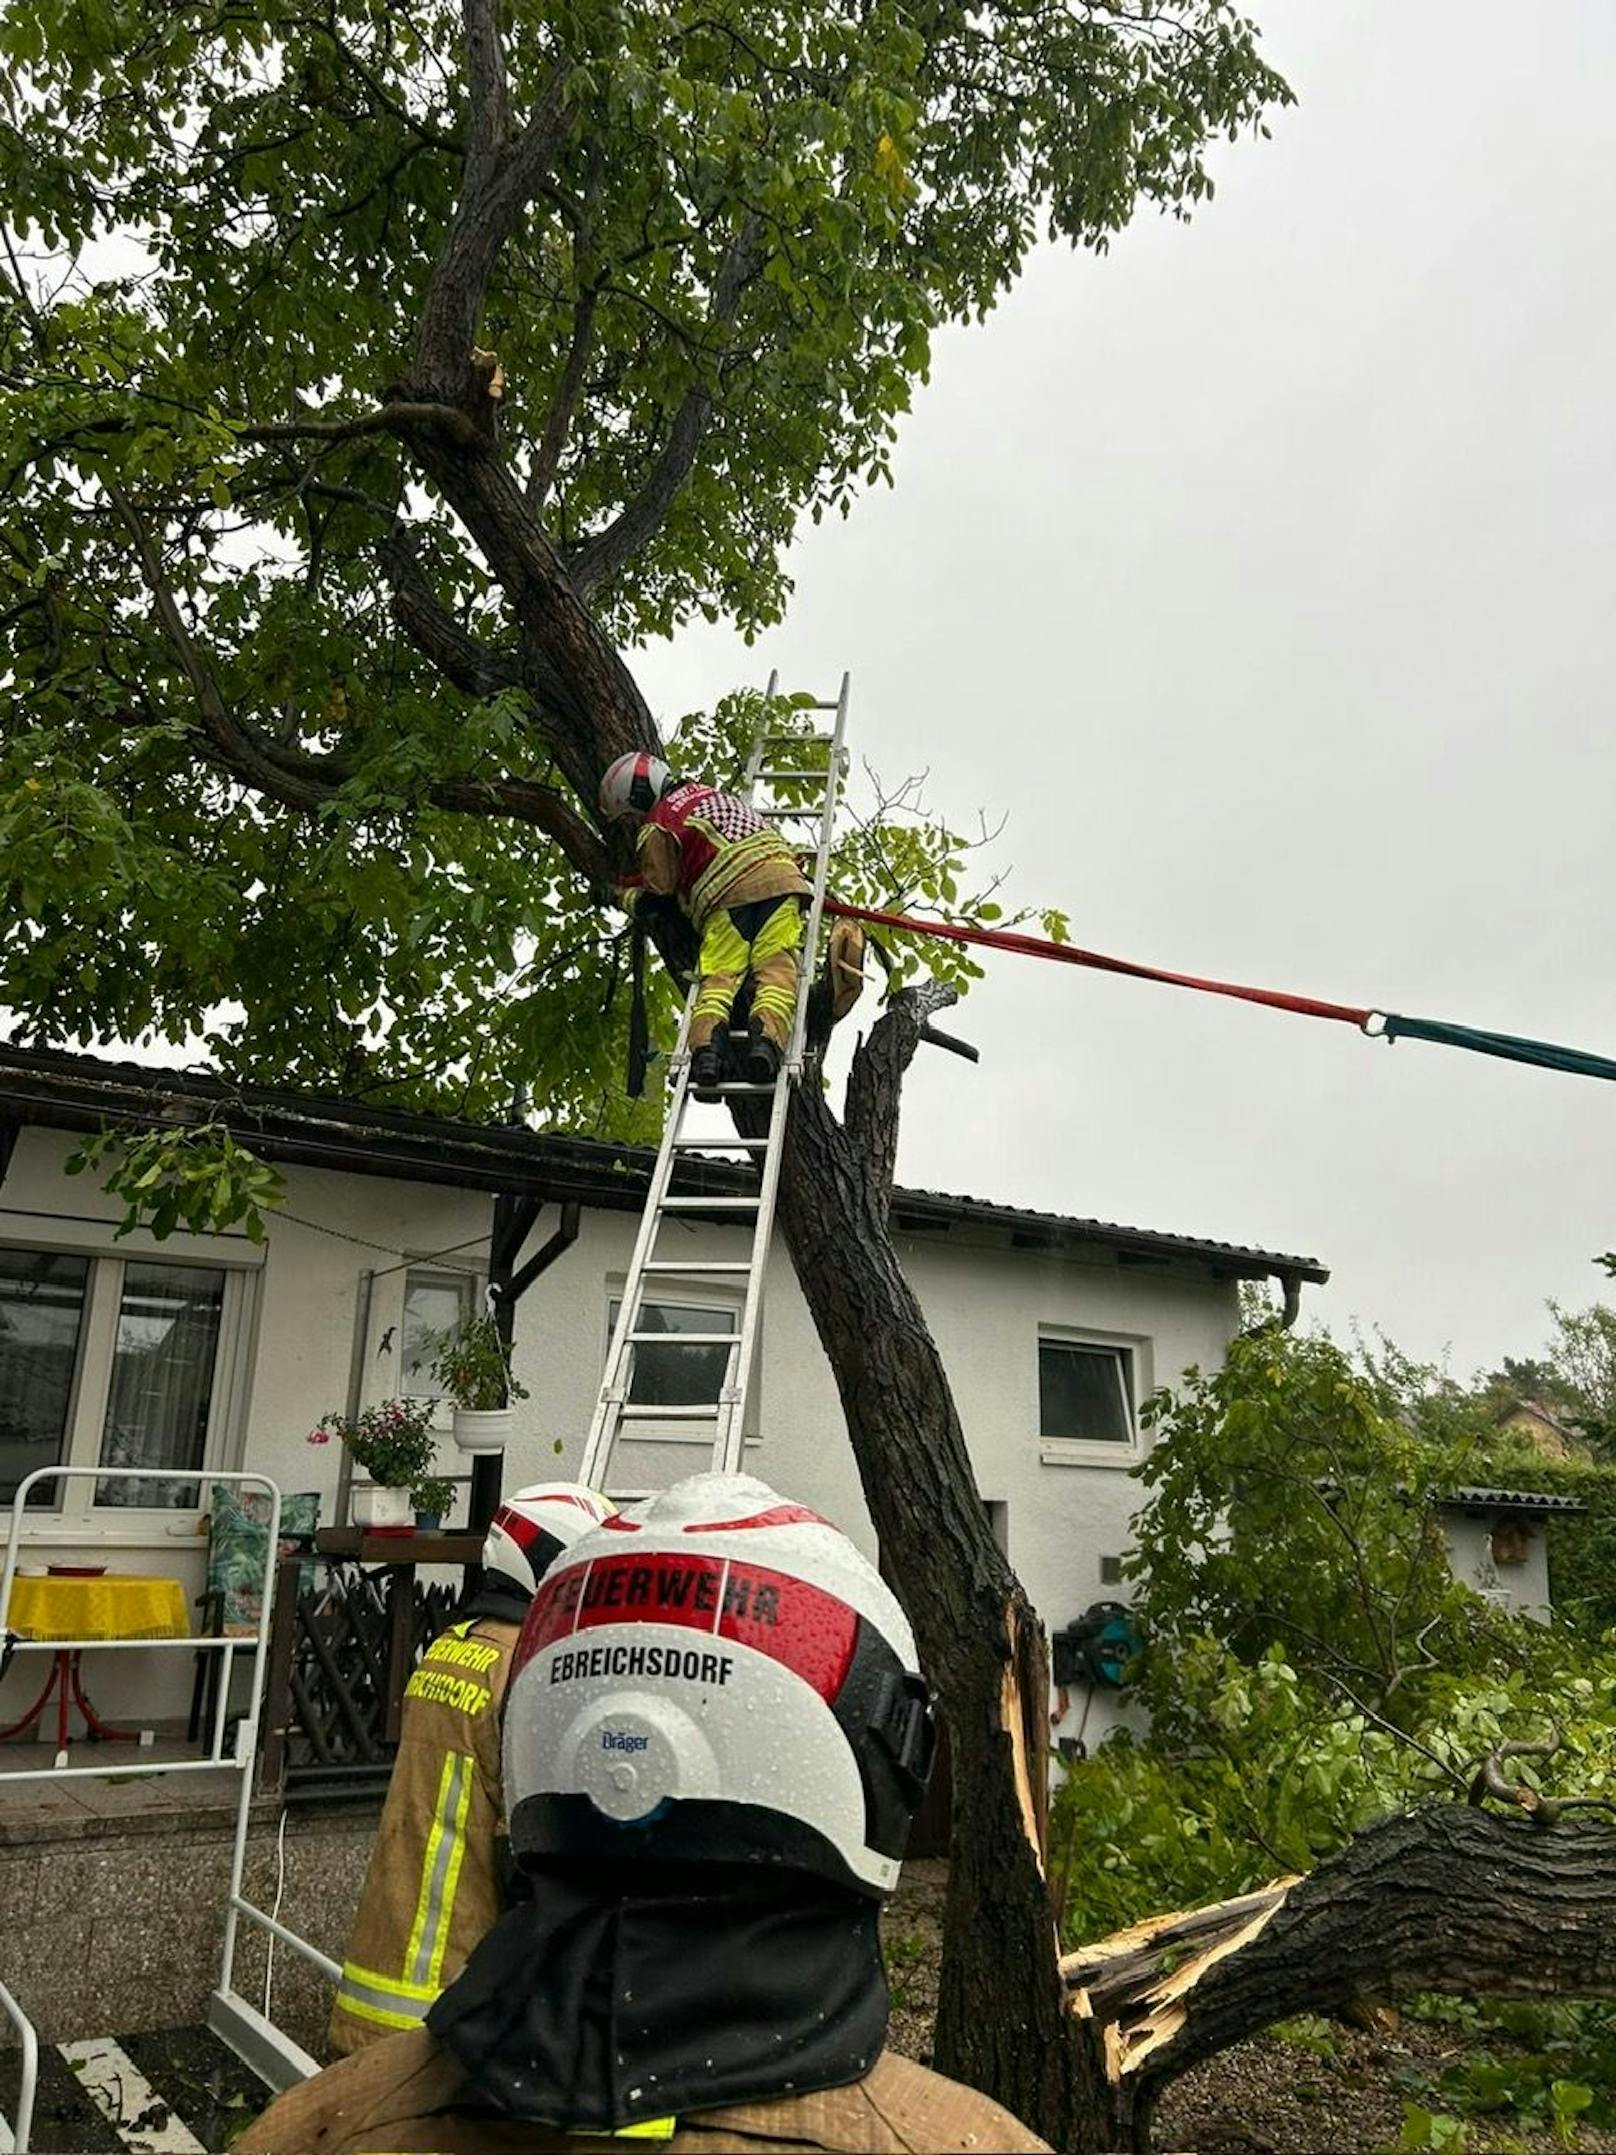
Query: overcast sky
(1259, 571)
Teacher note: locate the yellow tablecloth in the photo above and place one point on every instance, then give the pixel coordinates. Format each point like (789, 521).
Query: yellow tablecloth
(122, 1605)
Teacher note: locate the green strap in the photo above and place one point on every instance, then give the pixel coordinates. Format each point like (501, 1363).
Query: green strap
(1576, 1062)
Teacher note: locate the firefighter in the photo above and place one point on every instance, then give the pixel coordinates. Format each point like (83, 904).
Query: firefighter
(715, 1741)
(738, 880)
(440, 1868)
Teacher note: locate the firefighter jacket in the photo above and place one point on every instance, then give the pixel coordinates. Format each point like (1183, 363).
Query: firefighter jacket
(433, 1886)
(408, 2096)
(709, 849)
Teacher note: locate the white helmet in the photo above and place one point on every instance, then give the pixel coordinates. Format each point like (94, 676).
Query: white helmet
(633, 785)
(532, 1528)
(718, 1676)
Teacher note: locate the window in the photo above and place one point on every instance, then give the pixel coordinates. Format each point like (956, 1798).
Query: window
(119, 1363)
(1085, 1400)
(434, 1303)
(42, 1295)
(668, 1375)
(163, 1361)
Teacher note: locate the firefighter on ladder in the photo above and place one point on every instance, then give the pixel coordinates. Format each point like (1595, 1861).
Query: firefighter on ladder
(439, 1869)
(739, 881)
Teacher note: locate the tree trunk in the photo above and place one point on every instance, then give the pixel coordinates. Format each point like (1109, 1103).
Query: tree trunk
(1443, 1898)
(1003, 2024)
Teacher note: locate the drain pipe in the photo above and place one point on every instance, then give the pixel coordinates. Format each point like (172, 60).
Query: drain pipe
(356, 1388)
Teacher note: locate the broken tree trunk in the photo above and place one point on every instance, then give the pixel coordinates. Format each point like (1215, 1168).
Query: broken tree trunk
(1443, 1898)
(980, 1641)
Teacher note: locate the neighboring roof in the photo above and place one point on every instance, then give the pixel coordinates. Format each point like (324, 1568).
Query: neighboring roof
(1493, 1502)
(1541, 1411)
(84, 1092)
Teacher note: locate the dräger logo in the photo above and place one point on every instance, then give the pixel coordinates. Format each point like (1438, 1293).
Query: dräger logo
(612, 1739)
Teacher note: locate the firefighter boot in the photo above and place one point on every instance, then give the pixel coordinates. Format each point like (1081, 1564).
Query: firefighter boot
(706, 1069)
(762, 1057)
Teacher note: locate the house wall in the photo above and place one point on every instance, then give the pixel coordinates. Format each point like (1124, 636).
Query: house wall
(1521, 1588)
(983, 1301)
(299, 1344)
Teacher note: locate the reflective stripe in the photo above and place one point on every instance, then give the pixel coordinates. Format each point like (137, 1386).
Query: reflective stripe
(732, 861)
(644, 2129)
(440, 1872)
(369, 1996)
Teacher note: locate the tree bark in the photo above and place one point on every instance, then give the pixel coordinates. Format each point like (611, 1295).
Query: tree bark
(1003, 2022)
(1443, 1898)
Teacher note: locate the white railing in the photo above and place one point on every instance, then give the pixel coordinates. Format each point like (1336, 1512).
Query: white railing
(14, 2138)
(276, 2059)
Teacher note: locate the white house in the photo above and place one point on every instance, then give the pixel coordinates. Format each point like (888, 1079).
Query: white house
(213, 1352)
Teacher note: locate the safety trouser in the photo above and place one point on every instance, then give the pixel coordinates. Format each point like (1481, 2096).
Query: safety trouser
(761, 941)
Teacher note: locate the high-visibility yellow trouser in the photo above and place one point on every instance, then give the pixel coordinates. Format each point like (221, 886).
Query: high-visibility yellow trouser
(726, 960)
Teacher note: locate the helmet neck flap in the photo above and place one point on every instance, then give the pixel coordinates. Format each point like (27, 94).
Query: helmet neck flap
(663, 1989)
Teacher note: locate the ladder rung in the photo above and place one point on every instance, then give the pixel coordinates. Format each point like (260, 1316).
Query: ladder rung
(708, 1204)
(638, 1412)
(720, 1144)
(813, 808)
(731, 1085)
(696, 1264)
(685, 1339)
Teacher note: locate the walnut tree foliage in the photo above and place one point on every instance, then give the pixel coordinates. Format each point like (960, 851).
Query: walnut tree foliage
(377, 375)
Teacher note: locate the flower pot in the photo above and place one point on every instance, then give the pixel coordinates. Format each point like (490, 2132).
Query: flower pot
(382, 1511)
(428, 1522)
(483, 1429)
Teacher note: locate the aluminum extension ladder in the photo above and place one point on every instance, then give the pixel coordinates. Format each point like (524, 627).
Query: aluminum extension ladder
(812, 788)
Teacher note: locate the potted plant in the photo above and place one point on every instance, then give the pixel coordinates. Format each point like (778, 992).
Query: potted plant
(432, 1499)
(474, 1371)
(393, 1442)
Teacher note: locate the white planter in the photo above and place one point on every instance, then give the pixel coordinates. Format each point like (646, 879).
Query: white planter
(383, 1511)
(483, 1429)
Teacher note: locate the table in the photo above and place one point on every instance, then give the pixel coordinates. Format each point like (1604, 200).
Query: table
(119, 1605)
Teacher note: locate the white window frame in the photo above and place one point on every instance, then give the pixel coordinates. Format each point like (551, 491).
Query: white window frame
(1132, 1352)
(73, 1516)
(476, 1285)
(723, 1302)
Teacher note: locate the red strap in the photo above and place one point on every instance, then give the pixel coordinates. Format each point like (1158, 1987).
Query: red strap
(1037, 946)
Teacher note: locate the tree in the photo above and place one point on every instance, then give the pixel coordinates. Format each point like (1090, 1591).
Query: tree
(1314, 1675)
(1289, 1505)
(377, 378)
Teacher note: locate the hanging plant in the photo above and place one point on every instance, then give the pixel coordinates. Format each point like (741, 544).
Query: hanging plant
(472, 1368)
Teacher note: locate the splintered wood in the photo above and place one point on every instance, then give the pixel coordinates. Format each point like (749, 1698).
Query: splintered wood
(1137, 1982)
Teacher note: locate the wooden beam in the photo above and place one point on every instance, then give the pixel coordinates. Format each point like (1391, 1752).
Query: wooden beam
(541, 1260)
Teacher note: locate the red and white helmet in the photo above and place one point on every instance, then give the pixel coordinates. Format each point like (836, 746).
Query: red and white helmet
(533, 1527)
(633, 785)
(718, 1676)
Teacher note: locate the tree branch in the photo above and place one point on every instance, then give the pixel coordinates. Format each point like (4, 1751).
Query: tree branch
(240, 747)
(500, 179)
(1443, 1898)
(430, 626)
(396, 416)
(522, 800)
(593, 706)
(299, 780)
(641, 518)
(558, 421)
(875, 1082)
